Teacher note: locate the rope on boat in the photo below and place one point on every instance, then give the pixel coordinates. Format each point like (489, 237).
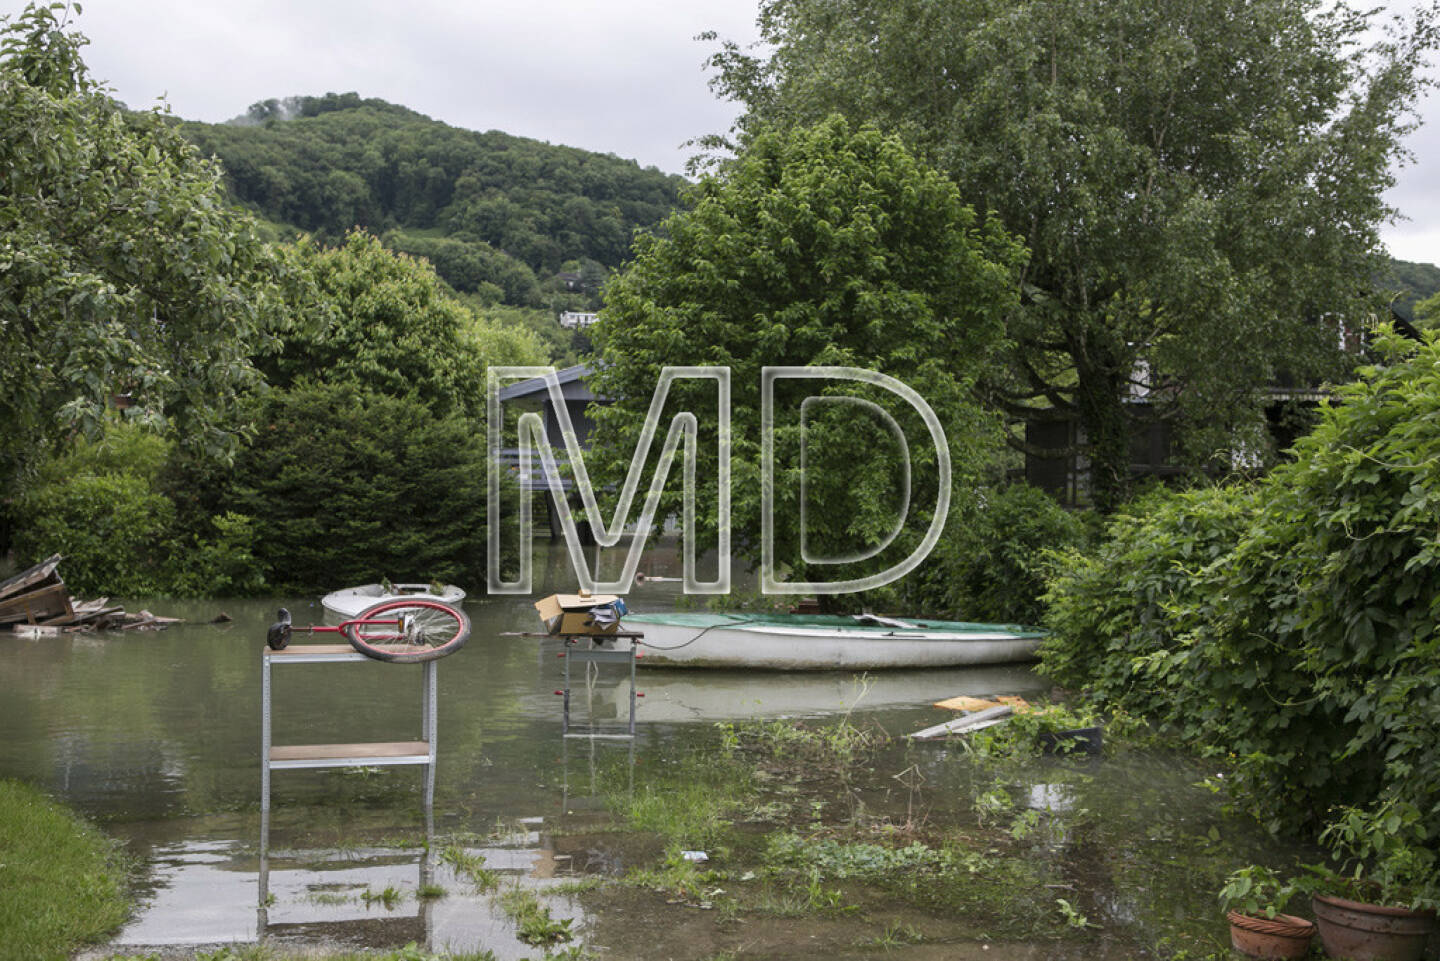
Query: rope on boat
(703, 632)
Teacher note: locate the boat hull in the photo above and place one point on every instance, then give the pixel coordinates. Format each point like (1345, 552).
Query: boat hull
(351, 601)
(810, 647)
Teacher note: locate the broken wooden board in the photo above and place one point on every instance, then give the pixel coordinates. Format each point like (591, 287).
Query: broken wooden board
(963, 725)
(36, 605)
(1016, 702)
(966, 703)
(38, 576)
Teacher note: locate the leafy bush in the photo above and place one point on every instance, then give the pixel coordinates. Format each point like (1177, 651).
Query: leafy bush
(110, 527)
(105, 505)
(989, 564)
(1109, 607)
(347, 486)
(1303, 639)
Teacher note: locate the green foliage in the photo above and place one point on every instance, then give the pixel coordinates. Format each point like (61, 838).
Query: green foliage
(1257, 891)
(1385, 854)
(1308, 649)
(551, 343)
(825, 246)
(328, 164)
(382, 320)
(471, 266)
(62, 883)
(1198, 187)
(1109, 606)
(1415, 289)
(222, 564)
(1033, 731)
(470, 865)
(346, 486)
(103, 505)
(122, 270)
(990, 563)
(1427, 312)
(533, 922)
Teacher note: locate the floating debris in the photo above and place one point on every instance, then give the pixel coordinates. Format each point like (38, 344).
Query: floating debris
(36, 603)
(970, 722)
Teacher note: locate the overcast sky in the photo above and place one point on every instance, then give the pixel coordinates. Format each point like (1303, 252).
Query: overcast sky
(622, 77)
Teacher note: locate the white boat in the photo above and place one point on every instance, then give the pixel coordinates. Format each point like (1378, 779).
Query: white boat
(826, 642)
(351, 601)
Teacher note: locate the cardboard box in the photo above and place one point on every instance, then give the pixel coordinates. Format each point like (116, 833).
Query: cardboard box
(570, 613)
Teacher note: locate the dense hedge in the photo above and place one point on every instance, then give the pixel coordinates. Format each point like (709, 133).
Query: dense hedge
(1113, 604)
(1301, 639)
(347, 486)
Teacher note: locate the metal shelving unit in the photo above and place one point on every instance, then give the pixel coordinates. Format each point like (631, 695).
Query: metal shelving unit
(596, 654)
(364, 754)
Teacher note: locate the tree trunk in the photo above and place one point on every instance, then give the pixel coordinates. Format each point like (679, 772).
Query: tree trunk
(1100, 401)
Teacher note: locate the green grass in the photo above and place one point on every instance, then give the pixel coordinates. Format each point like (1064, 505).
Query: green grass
(62, 882)
(691, 804)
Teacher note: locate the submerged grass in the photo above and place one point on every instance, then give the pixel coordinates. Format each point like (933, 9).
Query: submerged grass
(62, 883)
(533, 922)
(470, 865)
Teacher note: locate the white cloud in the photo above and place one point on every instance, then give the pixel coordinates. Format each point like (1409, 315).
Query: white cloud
(624, 78)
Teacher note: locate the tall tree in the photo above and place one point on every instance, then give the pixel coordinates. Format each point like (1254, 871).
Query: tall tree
(1199, 183)
(385, 321)
(122, 270)
(823, 246)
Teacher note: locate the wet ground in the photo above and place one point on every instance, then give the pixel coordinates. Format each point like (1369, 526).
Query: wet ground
(157, 737)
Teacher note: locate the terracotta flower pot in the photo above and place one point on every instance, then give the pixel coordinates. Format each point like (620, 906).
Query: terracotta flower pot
(1283, 936)
(1371, 932)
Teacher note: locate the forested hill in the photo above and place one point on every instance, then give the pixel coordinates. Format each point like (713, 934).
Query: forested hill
(1409, 282)
(498, 215)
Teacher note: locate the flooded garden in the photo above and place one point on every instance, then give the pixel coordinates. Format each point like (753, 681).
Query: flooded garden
(754, 814)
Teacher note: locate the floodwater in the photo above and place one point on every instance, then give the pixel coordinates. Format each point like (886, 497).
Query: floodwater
(157, 737)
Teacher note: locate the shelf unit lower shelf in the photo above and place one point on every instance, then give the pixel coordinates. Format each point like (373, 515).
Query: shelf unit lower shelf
(363, 754)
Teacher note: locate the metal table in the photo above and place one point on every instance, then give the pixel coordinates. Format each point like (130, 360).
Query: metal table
(365, 754)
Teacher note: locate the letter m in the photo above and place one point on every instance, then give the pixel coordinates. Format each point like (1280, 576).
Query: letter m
(533, 443)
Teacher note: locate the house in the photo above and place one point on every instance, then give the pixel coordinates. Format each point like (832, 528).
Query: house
(534, 395)
(572, 319)
(1153, 450)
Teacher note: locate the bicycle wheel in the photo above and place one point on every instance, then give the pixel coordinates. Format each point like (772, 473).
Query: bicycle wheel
(406, 631)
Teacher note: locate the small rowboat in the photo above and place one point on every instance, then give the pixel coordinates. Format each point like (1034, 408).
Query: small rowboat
(350, 601)
(821, 642)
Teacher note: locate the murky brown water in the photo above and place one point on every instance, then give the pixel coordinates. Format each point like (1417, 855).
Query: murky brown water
(157, 736)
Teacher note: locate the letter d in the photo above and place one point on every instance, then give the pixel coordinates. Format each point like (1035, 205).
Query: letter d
(768, 582)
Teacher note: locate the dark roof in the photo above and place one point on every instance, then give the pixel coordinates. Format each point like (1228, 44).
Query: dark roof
(572, 378)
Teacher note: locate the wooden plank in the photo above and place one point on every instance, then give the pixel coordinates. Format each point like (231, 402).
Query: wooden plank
(35, 630)
(965, 703)
(349, 752)
(1016, 702)
(84, 616)
(313, 649)
(30, 577)
(36, 605)
(970, 722)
